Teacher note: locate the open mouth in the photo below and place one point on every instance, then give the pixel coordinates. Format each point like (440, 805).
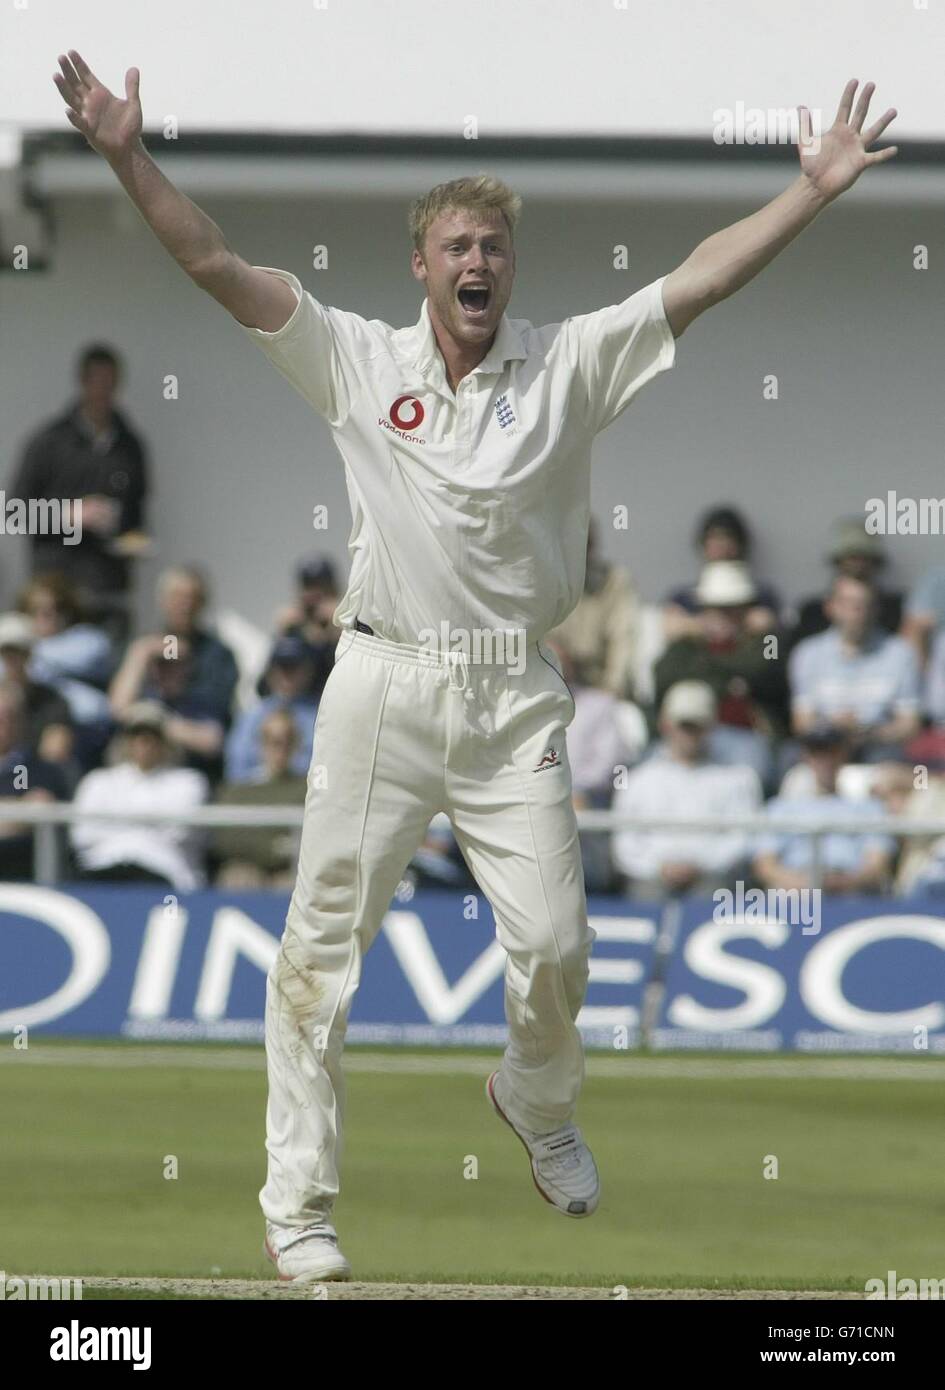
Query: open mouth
(474, 301)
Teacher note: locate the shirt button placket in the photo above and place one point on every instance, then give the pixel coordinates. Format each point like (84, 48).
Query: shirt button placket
(463, 422)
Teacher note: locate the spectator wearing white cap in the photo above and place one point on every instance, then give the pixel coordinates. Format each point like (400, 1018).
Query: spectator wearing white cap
(144, 780)
(167, 677)
(742, 667)
(681, 780)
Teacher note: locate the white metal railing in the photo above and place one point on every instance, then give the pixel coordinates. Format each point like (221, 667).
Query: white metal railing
(46, 816)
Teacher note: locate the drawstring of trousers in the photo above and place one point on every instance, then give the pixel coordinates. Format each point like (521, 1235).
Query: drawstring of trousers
(458, 664)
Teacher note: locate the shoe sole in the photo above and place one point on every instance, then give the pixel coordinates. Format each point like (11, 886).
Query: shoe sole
(574, 1215)
(333, 1275)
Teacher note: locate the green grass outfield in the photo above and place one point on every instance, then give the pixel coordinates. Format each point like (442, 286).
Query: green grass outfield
(861, 1188)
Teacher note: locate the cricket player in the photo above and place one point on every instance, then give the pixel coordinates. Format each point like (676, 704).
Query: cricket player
(466, 441)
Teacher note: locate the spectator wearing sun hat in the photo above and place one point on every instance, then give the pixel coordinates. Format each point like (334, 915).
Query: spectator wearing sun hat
(741, 666)
(722, 533)
(144, 779)
(856, 553)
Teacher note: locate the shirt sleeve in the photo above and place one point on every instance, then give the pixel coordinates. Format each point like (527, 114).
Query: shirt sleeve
(799, 678)
(927, 597)
(30, 477)
(885, 844)
(741, 797)
(909, 684)
(770, 840)
(620, 349)
(92, 794)
(308, 351)
(132, 499)
(935, 681)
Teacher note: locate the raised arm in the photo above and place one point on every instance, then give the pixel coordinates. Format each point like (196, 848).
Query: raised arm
(112, 127)
(830, 165)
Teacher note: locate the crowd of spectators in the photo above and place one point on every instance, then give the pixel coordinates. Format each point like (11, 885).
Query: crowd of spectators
(722, 700)
(832, 711)
(155, 726)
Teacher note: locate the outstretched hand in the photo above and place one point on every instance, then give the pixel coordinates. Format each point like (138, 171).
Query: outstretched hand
(110, 124)
(835, 161)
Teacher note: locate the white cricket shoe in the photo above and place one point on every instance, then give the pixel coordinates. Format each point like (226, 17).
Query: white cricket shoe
(306, 1254)
(563, 1166)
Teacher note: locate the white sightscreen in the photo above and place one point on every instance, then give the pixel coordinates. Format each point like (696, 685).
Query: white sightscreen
(629, 67)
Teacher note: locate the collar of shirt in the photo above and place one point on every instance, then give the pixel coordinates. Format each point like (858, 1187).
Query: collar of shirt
(872, 641)
(101, 440)
(417, 346)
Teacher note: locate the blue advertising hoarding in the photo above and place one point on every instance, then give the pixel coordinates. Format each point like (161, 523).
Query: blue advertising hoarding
(132, 962)
(870, 977)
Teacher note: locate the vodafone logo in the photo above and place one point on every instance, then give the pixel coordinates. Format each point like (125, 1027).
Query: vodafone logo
(406, 413)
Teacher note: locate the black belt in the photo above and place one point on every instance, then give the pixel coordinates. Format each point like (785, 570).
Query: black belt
(363, 627)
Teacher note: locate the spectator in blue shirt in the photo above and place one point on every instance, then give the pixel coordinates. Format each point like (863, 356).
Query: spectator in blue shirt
(855, 677)
(851, 863)
(72, 657)
(212, 672)
(858, 554)
(288, 680)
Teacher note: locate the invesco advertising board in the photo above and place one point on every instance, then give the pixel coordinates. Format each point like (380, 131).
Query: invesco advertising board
(131, 962)
(134, 963)
(872, 978)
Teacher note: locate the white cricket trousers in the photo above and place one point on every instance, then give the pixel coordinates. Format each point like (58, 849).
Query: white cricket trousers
(402, 734)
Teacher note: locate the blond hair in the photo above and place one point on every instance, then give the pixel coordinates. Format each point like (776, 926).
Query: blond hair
(480, 193)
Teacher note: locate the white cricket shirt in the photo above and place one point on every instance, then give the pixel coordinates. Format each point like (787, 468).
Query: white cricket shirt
(172, 850)
(469, 509)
